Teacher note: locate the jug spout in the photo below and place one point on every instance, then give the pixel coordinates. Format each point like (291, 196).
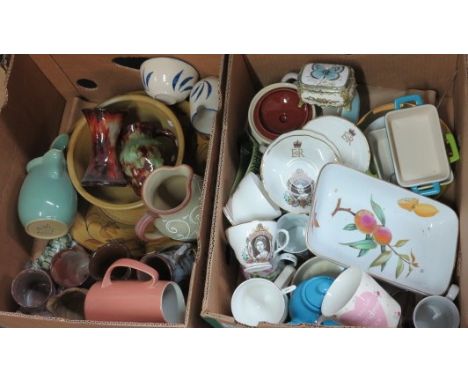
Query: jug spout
(54, 163)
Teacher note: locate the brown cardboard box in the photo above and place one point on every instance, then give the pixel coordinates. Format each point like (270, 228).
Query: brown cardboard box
(246, 74)
(44, 98)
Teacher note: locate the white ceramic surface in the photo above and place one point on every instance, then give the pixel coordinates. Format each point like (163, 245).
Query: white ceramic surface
(291, 165)
(416, 250)
(381, 154)
(250, 202)
(168, 79)
(259, 300)
(256, 244)
(204, 104)
(356, 299)
(417, 146)
(348, 139)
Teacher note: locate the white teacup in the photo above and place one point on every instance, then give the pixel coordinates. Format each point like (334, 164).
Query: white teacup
(260, 300)
(250, 202)
(438, 311)
(356, 299)
(204, 104)
(279, 262)
(256, 244)
(167, 79)
(296, 225)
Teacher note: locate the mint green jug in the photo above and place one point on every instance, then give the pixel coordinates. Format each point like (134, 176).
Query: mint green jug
(47, 201)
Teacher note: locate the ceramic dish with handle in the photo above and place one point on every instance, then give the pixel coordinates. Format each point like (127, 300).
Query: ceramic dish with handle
(393, 234)
(291, 165)
(418, 124)
(275, 110)
(348, 139)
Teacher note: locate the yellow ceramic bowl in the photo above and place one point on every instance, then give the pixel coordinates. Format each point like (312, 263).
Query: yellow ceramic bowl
(119, 203)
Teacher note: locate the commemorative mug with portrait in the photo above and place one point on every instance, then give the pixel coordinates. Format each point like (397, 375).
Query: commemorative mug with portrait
(256, 243)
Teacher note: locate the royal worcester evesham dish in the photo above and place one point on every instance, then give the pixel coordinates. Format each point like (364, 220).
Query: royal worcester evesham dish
(398, 236)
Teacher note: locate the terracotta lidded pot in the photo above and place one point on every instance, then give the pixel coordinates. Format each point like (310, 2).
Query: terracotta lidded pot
(277, 109)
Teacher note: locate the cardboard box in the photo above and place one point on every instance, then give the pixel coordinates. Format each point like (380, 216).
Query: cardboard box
(45, 97)
(246, 74)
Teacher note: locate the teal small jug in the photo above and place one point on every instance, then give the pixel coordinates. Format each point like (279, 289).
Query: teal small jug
(47, 201)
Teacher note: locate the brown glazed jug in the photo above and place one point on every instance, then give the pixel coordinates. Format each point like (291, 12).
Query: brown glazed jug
(135, 300)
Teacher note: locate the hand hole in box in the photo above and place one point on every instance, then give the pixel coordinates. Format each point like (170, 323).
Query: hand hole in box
(86, 83)
(129, 62)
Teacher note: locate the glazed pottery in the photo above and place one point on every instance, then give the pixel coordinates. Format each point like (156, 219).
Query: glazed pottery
(134, 300)
(144, 147)
(173, 264)
(172, 196)
(356, 299)
(417, 124)
(278, 263)
(53, 247)
(104, 167)
(327, 84)
(31, 288)
(68, 304)
(259, 300)
(250, 202)
(290, 78)
(250, 158)
(105, 256)
(96, 229)
(349, 140)
(275, 110)
(47, 201)
(121, 204)
(296, 225)
(256, 243)
(306, 301)
(317, 266)
(167, 79)
(291, 165)
(204, 104)
(388, 231)
(438, 311)
(70, 267)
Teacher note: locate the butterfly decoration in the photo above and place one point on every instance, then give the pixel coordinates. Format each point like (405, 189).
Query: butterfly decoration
(330, 73)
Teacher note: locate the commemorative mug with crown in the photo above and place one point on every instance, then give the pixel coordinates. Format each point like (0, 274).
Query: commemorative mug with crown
(257, 244)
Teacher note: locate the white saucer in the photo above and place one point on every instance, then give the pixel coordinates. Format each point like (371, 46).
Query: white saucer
(291, 165)
(349, 140)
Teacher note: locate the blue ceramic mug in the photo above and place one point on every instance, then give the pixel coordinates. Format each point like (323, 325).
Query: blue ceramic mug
(306, 301)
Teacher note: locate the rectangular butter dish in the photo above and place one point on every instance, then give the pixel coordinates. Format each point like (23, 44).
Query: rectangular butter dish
(327, 85)
(392, 233)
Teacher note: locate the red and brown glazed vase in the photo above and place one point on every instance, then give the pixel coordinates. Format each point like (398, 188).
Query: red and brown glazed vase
(104, 167)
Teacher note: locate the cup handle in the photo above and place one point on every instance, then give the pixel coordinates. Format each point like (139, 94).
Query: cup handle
(288, 289)
(289, 257)
(285, 277)
(130, 263)
(141, 226)
(452, 144)
(290, 78)
(286, 241)
(452, 293)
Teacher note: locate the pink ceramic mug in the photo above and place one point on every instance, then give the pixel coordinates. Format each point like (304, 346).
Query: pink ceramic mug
(134, 300)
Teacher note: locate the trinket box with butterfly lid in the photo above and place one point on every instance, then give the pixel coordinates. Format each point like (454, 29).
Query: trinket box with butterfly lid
(327, 85)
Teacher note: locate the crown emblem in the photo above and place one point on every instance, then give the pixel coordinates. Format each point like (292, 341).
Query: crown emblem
(297, 144)
(352, 132)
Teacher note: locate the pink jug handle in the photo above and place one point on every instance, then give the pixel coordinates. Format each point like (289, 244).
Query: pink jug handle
(134, 264)
(141, 226)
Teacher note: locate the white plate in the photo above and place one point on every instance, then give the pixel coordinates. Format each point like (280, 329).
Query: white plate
(349, 140)
(291, 165)
(424, 232)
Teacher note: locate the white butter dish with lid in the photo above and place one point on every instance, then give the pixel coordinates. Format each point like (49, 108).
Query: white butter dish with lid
(327, 85)
(390, 232)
